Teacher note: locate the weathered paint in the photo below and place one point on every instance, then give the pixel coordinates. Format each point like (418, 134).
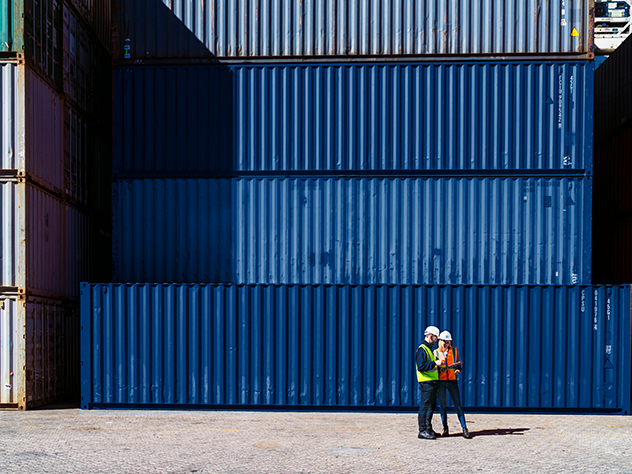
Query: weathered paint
(355, 117)
(13, 234)
(352, 346)
(33, 29)
(39, 358)
(353, 230)
(11, 379)
(149, 29)
(45, 246)
(12, 117)
(44, 133)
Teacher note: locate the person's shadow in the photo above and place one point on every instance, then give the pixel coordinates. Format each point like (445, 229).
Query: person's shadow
(498, 432)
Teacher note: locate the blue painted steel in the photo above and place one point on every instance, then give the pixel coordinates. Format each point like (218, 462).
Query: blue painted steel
(353, 230)
(352, 346)
(361, 117)
(149, 29)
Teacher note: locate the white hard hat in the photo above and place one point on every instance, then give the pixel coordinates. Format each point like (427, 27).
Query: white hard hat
(445, 336)
(432, 330)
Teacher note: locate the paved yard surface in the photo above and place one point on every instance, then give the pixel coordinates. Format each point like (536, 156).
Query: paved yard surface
(66, 439)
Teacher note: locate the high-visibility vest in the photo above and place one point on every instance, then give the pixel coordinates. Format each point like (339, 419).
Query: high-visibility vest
(431, 374)
(445, 373)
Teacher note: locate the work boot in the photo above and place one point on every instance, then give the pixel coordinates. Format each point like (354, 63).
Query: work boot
(446, 431)
(466, 434)
(425, 434)
(432, 432)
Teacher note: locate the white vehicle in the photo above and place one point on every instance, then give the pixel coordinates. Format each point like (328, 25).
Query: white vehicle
(613, 24)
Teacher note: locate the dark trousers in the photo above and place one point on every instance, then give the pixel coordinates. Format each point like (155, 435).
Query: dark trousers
(428, 403)
(453, 389)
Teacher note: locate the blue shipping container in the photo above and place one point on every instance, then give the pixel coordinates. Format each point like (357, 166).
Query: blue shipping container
(352, 346)
(430, 117)
(160, 29)
(353, 230)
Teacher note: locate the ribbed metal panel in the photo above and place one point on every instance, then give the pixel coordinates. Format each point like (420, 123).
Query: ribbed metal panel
(11, 383)
(12, 116)
(353, 346)
(13, 234)
(77, 250)
(44, 241)
(33, 28)
(353, 231)
(259, 28)
(39, 357)
(98, 14)
(52, 353)
(44, 132)
(422, 116)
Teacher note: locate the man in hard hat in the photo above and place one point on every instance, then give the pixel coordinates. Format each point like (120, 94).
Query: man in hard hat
(447, 382)
(428, 378)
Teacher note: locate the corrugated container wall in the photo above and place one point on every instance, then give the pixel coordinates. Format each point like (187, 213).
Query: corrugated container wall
(612, 259)
(353, 231)
(39, 364)
(352, 346)
(242, 29)
(45, 249)
(98, 15)
(534, 116)
(33, 28)
(55, 175)
(12, 118)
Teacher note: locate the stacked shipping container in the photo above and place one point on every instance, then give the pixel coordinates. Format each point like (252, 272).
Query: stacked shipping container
(374, 146)
(54, 82)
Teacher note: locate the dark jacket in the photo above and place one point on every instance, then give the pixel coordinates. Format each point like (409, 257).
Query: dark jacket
(424, 363)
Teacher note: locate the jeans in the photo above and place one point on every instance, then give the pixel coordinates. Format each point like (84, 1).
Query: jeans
(428, 403)
(453, 388)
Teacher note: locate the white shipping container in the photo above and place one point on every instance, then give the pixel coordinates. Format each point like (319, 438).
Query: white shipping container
(10, 351)
(12, 234)
(11, 116)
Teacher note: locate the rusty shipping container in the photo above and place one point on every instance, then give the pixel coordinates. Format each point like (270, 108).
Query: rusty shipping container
(39, 359)
(45, 242)
(250, 29)
(31, 29)
(338, 346)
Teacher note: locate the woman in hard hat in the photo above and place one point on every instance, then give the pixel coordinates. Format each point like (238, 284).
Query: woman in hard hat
(447, 382)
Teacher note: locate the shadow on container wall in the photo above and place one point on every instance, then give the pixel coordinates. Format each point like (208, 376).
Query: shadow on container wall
(149, 29)
(161, 131)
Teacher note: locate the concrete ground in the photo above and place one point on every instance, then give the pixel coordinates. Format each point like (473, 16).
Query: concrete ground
(66, 439)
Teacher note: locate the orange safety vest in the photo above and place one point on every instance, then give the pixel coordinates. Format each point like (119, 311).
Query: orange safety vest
(444, 372)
